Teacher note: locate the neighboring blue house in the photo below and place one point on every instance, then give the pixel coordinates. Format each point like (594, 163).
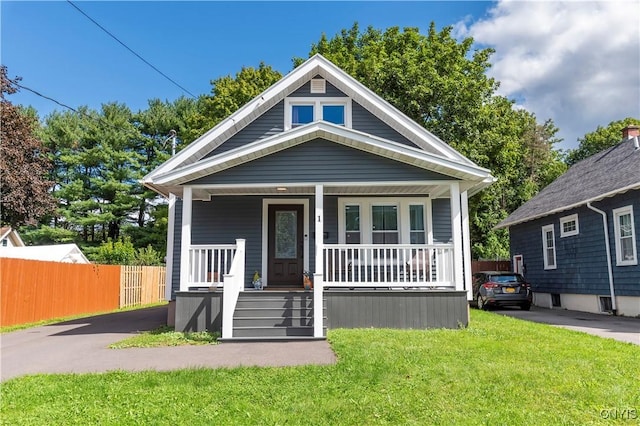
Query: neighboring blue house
(577, 240)
(318, 176)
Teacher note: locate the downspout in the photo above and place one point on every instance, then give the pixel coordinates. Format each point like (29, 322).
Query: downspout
(606, 242)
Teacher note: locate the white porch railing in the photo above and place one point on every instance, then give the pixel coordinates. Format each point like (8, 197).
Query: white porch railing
(209, 263)
(395, 265)
(234, 284)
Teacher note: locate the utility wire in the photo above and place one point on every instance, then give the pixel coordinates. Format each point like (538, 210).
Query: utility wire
(84, 114)
(130, 50)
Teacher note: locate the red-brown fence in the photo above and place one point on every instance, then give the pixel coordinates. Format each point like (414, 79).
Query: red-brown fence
(32, 291)
(490, 265)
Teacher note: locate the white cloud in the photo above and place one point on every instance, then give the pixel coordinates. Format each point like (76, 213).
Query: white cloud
(577, 63)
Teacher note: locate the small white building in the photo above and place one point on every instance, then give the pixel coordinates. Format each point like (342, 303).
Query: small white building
(66, 253)
(10, 238)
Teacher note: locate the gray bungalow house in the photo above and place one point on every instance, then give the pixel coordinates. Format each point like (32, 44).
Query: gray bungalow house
(320, 177)
(577, 240)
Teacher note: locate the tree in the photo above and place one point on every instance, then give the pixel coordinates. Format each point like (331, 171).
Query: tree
(25, 196)
(599, 140)
(443, 85)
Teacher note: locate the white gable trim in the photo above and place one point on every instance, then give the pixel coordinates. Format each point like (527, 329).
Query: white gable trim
(316, 65)
(328, 131)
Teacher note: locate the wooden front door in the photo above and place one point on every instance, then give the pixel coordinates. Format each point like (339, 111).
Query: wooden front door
(285, 245)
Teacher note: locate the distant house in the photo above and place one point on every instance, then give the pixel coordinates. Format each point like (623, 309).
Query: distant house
(318, 176)
(577, 240)
(10, 238)
(67, 253)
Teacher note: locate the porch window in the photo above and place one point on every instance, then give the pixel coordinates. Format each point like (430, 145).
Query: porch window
(385, 224)
(417, 225)
(549, 247)
(352, 223)
(625, 236)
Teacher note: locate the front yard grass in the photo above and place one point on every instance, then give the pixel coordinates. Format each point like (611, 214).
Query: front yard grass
(499, 371)
(166, 336)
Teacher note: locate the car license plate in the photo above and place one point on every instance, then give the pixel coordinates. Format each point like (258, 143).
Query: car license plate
(509, 289)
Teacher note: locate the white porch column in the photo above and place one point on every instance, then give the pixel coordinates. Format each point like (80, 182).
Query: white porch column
(186, 238)
(466, 241)
(318, 279)
(456, 234)
(170, 241)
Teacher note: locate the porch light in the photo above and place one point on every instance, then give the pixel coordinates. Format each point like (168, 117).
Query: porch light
(281, 189)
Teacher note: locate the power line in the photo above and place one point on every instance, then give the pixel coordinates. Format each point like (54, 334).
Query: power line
(130, 50)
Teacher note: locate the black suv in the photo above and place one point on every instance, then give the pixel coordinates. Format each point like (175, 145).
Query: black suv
(494, 288)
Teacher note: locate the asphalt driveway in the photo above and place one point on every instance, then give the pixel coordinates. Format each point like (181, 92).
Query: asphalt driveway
(81, 346)
(624, 329)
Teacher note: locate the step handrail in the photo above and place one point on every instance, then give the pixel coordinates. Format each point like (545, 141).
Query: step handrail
(234, 284)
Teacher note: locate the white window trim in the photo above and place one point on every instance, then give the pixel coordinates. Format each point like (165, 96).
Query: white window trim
(546, 229)
(404, 220)
(616, 226)
(318, 103)
(570, 218)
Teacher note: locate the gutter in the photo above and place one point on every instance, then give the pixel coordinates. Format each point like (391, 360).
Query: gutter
(608, 248)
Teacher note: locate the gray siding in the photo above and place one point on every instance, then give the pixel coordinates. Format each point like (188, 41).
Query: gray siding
(396, 309)
(364, 121)
(304, 91)
(268, 124)
(320, 161)
(441, 211)
(177, 242)
(581, 259)
(199, 311)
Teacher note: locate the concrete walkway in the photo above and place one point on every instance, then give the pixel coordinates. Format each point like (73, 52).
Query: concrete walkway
(81, 346)
(624, 329)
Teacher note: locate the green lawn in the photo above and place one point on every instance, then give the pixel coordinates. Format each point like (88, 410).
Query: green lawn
(499, 371)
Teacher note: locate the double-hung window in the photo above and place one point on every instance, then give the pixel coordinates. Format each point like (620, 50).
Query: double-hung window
(417, 232)
(625, 236)
(301, 111)
(548, 247)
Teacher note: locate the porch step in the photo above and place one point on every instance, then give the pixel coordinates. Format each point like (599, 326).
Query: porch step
(273, 315)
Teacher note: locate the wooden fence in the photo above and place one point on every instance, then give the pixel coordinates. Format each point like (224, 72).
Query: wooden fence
(32, 291)
(141, 285)
(490, 265)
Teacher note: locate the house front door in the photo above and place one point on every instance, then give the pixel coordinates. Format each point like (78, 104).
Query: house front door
(285, 245)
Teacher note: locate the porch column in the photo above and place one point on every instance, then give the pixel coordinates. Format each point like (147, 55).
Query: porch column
(186, 238)
(456, 234)
(466, 241)
(318, 219)
(170, 241)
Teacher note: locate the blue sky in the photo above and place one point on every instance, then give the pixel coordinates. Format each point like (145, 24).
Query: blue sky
(60, 53)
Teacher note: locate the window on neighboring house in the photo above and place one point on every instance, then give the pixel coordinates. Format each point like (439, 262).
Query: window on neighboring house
(569, 226)
(549, 247)
(417, 226)
(385, 224)
(301, 111)
(5, 243)
(625, 236)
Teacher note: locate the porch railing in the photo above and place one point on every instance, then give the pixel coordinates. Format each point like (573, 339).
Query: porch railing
(395, 265)
(234, 284)
(209, 263)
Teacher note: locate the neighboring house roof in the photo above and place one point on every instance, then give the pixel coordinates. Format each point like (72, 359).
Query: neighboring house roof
(185, 165)
(67, 253)
(8, 232)
(607, 173)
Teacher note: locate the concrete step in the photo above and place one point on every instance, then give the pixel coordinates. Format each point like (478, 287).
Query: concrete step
(271, 339)
(292, 321)
(265, 332)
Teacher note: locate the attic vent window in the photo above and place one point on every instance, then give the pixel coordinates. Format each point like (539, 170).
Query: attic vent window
(318, 85)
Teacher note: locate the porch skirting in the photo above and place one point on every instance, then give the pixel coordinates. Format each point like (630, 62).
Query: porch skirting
(383, 308)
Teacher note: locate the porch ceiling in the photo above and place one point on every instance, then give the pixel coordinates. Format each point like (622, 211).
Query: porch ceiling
(429, 190)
